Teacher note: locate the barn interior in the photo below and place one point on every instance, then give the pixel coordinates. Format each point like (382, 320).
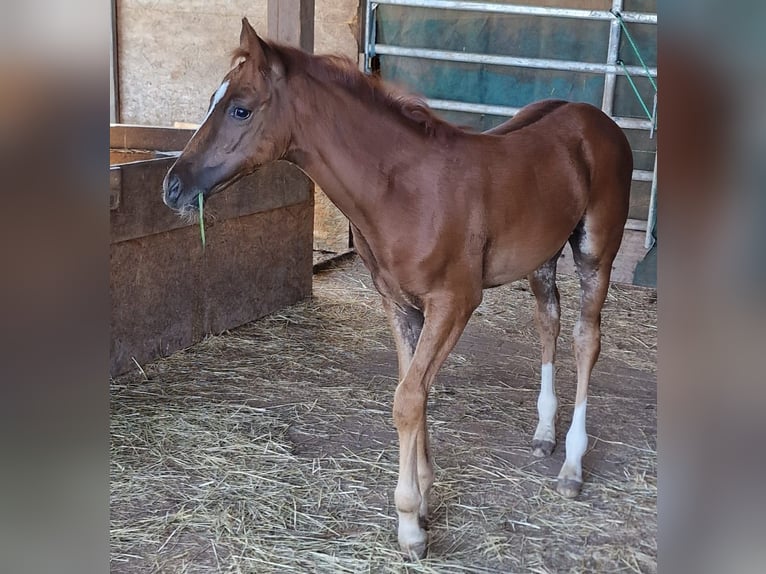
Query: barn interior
(251, 425)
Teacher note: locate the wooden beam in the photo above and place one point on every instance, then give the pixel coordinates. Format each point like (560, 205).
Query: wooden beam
(292, 22)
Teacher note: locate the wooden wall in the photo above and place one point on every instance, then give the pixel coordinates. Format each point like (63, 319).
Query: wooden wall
(172, 54)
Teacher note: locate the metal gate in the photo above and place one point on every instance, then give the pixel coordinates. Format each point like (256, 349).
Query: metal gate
(479, 62)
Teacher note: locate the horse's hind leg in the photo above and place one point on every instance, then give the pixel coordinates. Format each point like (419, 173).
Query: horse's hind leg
(543, 284)
(593, 255)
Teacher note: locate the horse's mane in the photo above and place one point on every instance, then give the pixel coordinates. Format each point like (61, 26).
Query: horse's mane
(342, 71)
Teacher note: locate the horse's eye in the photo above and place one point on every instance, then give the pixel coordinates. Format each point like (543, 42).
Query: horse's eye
(241, 113)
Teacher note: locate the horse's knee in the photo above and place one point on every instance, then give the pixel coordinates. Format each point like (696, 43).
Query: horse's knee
(409, 405)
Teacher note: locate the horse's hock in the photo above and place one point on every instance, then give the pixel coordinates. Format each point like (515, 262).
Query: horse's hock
(167, 291)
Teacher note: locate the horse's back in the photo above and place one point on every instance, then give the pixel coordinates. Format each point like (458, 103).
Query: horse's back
(573, 134)
(527, 115)
(562, 120)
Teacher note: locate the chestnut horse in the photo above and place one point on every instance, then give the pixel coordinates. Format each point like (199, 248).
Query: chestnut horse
(438, 214)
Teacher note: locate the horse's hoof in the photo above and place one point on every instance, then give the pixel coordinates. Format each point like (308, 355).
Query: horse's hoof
(413, 539)
(542, 448)
(415, 552)
(568, 487)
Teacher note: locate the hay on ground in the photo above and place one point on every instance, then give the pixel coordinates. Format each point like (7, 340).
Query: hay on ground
(271, 448)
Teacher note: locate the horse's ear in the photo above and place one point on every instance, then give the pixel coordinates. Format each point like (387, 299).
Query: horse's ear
(248, 40)
(246, 35)
(258, 51)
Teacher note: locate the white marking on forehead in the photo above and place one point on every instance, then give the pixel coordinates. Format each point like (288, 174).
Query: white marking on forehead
(217, 97)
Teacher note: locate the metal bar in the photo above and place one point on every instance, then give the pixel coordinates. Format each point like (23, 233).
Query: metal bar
(643, 175)
(368, 25)
(652, 215)
(636, 17)
(373, 32)
(610, 80)
(635, 49)
(635, 225)
(455, 106)
(508, 111)
(539, 63)
(114, 69)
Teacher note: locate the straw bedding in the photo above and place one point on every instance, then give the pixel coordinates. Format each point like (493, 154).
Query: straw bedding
(271, 448)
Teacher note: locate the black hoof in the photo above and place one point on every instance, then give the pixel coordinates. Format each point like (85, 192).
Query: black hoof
(542, 448)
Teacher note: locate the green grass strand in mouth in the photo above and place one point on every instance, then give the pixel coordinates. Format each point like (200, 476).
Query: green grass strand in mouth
(201, 220)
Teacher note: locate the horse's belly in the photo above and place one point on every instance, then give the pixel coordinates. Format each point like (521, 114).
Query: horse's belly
(505, 270)
(514, 260)
(521, 238)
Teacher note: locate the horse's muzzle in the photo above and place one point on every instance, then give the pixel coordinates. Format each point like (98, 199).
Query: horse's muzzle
(172, 190)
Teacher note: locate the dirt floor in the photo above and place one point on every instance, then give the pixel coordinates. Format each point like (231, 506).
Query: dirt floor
(271, 448)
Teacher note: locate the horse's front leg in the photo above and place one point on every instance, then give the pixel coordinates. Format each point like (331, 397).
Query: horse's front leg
(406, 326)
(443, 324)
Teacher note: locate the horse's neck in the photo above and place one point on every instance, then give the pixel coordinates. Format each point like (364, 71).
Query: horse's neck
(345, 146)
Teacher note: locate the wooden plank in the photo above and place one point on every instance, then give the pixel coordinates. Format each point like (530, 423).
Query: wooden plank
(141, 211)
(125, 136)
(137, 191)
(292, 22)
(167, 293)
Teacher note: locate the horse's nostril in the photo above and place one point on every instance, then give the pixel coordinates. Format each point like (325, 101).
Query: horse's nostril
(172, 188)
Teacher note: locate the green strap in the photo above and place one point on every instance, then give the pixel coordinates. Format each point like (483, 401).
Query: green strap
(202, 218)
(635, 49)
(635, 90)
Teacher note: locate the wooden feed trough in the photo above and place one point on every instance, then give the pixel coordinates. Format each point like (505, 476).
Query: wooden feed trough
(167, 292)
